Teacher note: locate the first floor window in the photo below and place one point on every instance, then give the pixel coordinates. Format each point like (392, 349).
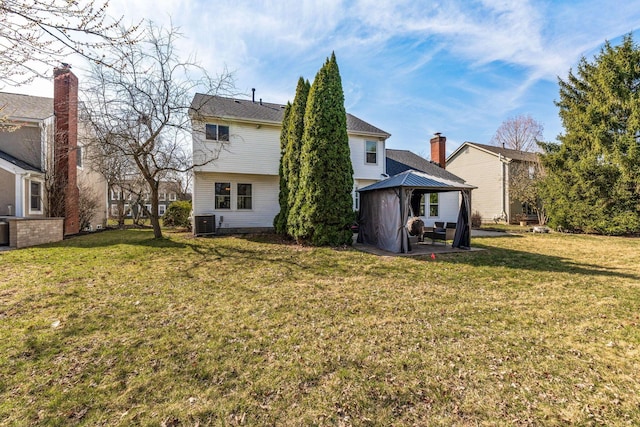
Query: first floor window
(127, 209)
(356, 200)
(217, 132)
(371, 152)
(423, 209)
(161, 209)
(223, 195)
(114, 210)
(148, 207)
(433, 204)
(35, 204)
(244, 196)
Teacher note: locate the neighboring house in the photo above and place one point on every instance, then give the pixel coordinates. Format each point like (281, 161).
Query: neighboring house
(240, 187)
(433, 206)
(127, 200)
(35, 133)
(489, 168)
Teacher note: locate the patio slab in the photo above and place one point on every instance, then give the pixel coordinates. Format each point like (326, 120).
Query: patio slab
(427, 248)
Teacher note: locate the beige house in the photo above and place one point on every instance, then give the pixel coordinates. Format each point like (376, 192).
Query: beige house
(489, 168)
(35, 133)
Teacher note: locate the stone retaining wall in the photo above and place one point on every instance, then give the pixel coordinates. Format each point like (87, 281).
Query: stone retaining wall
(24, 232)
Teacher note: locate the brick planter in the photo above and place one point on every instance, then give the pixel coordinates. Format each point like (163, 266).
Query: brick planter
(25, 232)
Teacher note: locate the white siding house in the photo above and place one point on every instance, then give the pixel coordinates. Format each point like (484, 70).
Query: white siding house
(240, 185)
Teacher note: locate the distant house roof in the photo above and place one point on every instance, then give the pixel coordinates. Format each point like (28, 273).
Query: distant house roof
(524, 156)
(25, 107)
(418, 180)
(19, 163)
(399, 161)
(264, 112)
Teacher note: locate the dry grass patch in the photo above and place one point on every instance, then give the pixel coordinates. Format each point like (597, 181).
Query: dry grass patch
(117, 328)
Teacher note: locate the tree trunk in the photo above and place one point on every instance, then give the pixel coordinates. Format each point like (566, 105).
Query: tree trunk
(155, 221)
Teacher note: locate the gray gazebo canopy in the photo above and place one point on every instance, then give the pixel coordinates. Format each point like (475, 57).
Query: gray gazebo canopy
(386, 206)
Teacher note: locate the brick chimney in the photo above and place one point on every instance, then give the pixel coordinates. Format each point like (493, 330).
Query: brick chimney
(439, 149)
(65, 143)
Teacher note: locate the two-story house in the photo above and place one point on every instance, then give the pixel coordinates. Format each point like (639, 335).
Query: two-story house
(240, 185)
(39, 150)
(132, 198)
(490, 169)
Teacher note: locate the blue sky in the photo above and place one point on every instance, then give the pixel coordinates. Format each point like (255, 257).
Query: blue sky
(412, 67)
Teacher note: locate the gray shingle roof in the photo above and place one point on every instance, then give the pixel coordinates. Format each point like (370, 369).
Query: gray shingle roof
(16, 106)
(509, 153)
(421, 180)
(399, 161)
(245, 109)
(23, 165)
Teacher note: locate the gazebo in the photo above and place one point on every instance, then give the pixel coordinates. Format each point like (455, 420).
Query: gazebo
(386, 206)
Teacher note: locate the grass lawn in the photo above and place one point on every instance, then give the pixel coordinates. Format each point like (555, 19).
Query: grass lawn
(117, 328)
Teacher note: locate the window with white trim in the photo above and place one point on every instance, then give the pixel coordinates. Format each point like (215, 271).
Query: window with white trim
(356, 199)
(161, 209)
(162, 196)
(127, 209)
(115, 194)
(429, 202)
(223, 195)
(35, 197)
(434, 205)
(148, 206)
(217, 132)
(371, 152)
(173, 197)
(244, 196)
(114, 209)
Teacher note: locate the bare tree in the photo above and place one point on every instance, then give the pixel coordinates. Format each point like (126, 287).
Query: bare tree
(524, 186)
(140, 108)
(88, 205)
(37, 34)
(519, 133)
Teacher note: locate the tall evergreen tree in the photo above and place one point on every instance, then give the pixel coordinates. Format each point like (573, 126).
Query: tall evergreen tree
(294, 148)
(324, 205)
(280, 220)
(593, 175)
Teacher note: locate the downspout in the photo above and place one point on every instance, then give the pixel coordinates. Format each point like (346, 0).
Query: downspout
(504, 189)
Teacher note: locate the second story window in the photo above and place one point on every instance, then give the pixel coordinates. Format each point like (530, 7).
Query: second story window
(371, 152)
(217, 132)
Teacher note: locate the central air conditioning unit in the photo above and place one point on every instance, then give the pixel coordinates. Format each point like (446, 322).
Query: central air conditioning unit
(204, 225)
